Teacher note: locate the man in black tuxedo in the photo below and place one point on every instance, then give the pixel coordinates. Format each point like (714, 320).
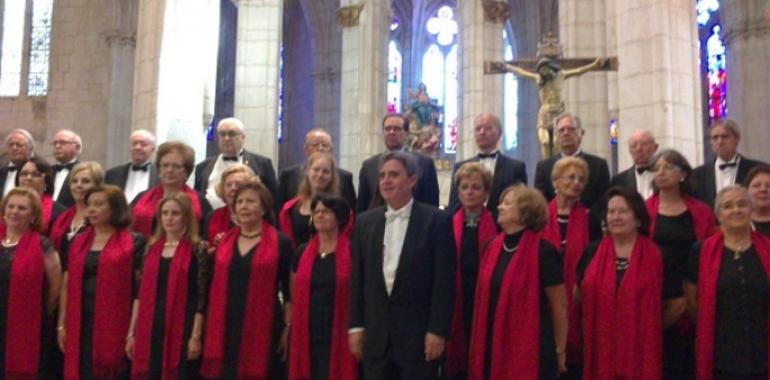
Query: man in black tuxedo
(402, 279)
(506, 171)
(230, 137)
(19, 147)
(395, 130)
(316, 140)
(139, 174)
(569, 135)
(729, 167)
(66, 149)
(642, 147)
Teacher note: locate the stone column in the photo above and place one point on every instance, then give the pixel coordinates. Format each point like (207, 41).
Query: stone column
(583, 33)
(746, 31)
(364, 76)
(257, 73)
(658, 80)
(481, 31)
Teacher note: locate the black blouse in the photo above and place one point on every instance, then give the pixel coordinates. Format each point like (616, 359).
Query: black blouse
(300, 225)
(740, 339)
(594, 228)
(672, 286)
(469, 270)
(675, 235)
(763, 227)
(322, 287)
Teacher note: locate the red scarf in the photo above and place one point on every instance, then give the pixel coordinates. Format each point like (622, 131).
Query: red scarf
(284, 219)
(46, 201)
(219, 222)
(25, 309)
(703, 218)
(623, 326)
(342, 364)
(255, 347)
(578, 236)
(176, 309)
(457, 347)
(516, 336)
(146, 208)
(113, 301)
(709, 266)
(61, 227)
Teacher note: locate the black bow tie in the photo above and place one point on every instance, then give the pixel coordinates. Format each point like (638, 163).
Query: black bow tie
(728, 165)
(487, 155)
(641, 169)
(59, 167)
(140, 168)
(229, 158)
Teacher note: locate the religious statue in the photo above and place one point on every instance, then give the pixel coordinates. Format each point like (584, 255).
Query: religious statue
(423, 114)
(549, 75)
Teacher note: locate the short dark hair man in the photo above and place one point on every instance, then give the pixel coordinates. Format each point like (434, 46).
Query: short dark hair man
(395, 130)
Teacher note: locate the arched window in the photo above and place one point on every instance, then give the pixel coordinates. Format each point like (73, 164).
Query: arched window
(510, 99)
(713, 59)
(395, 67)
(12, 47)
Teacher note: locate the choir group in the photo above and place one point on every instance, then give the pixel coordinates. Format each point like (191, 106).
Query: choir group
(660, 272)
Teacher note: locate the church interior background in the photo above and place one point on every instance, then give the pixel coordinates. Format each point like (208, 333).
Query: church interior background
(175, 67)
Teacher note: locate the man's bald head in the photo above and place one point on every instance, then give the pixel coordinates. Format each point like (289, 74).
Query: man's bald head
(318, 140)
(642, 147)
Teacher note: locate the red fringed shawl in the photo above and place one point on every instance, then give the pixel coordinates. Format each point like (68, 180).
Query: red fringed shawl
(516, 336)
(25, 309)
(623, 326)
(577, 241)
(219, 222)
(703, 218)
(457, 347)
(46, 201)
(175, 310)
(709, 266)
(113, 301)
(61, 226)
(146, 208)
(256, 339)
(342, 364)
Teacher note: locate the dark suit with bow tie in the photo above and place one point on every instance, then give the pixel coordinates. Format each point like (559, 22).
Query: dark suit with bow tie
(426, 190)
(508, 171)
(291, 177)
(422, 296)
(119, 175)
(626, 178)
(261, 165)
(598, 179)
(705, 181)
(4, 170)
(65, 195)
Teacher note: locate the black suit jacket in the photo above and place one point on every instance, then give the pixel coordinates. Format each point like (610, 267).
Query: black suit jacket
(508, 171)
(3, 174)
(65, 195)
(704, 179)
(261, 165)
(119, 175)
(626, 178)
(422, 297)
(598, 178)
(291, 177)
(426, 190)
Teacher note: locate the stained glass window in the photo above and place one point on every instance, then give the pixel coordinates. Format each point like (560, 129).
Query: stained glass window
(704, 8)
(279, 132)
(511, 100)
(12, 45)
(40, 47)
(713, 58)
(439, 71)
(394, 77)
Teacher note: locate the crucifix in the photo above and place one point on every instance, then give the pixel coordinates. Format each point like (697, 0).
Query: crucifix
(549, 70)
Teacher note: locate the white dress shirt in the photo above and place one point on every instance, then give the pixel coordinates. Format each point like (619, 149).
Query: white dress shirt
(396, 222)
(726, 177)
(644, 183)
(10, 179)
(59, 177)
(137, 181)
(216, 174)
(489, 162)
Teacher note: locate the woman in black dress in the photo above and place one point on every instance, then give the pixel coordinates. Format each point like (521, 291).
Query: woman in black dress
(677, 221)
(473, 228)
(37, 175)
(728, 291)
(164, 340)
(318, 348)
(520, 311)
(250, 287)
(30, 280)
(758, 183)
(100, 283)
(320, 177)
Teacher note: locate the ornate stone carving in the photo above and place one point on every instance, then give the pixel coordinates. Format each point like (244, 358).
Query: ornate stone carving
(496, 11)
(121, 38)
(348, 16)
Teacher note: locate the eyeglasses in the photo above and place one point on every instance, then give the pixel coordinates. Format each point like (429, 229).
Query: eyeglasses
(665, 167)
(567, 130)
(230, 134)
(169, 166)
(62, 142)
(320, 144)
(25, 174)
(573, 178)
(15, 145)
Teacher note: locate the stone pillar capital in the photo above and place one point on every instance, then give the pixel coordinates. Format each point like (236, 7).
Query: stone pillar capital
(121, 37)
(348, 16)
(496, 11)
